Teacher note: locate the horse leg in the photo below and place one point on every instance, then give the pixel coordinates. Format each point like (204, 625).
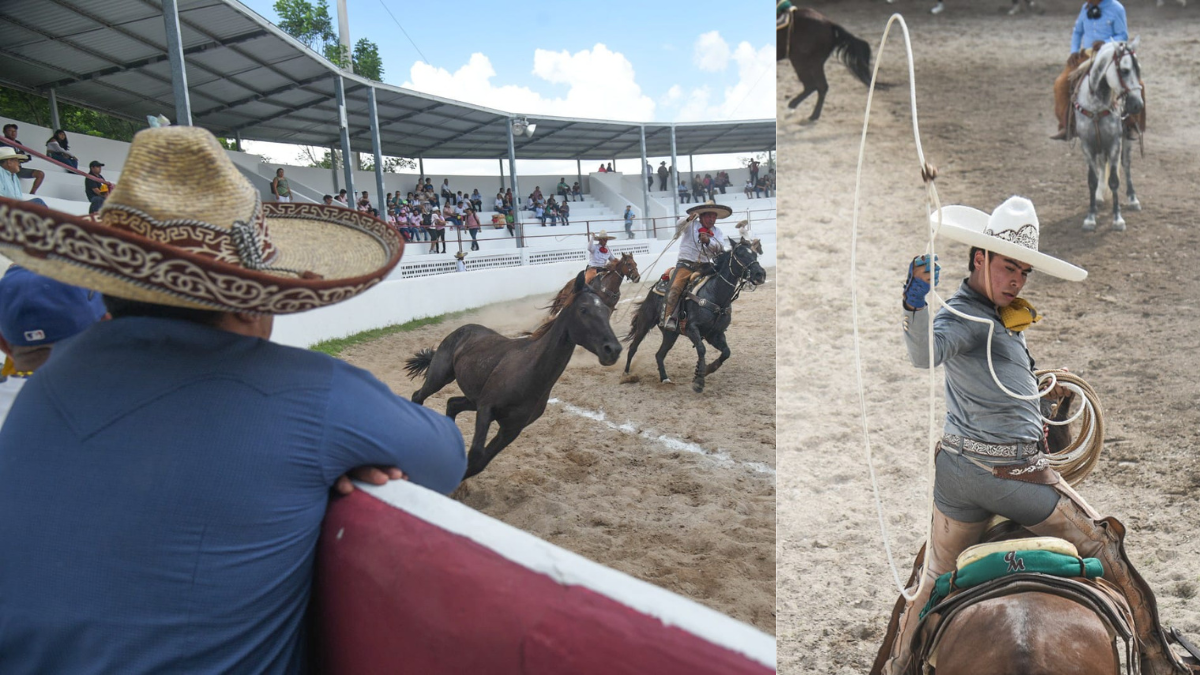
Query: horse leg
(1126, 157)
(720, 343)
(698, 342)
(1089, 223)
(633, 347)
(483, 420)
(506, 434)
(457, 405)
(822, 88)
(800, 98)
(1114, 185)
(668, 342)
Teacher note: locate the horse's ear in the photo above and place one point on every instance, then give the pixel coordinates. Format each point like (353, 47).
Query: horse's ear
(1133, 44)
(579, 285)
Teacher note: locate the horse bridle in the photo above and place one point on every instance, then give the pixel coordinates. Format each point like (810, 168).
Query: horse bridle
(1117, 101)
(599, 281)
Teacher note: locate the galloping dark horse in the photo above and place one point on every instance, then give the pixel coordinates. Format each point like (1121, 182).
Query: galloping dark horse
(606, 284)
(807, 40)
(508, 381)
(708, 314)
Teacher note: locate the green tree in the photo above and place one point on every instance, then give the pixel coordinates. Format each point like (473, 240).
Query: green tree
(308, 23)
(34, 109)
(366, 60)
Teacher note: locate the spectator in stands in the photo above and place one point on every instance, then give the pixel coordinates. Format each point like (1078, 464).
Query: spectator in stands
(610, 168)
(602, 169)
(709, 188)
(414, 223)
(663, 174)
(748, 189)
(760, 186)
(649, 177)
(476, 200)
(280, 187)
(328, 200)
(698, 189)
(192, 458)
(95, 187)
(364, 203)
(10, 186)
(36, 313)
(459, 265)
(343, 198)
(684, 196)
(628, 221)
(576, 191)
(59, 149)
(430, 193)
(472, 224)
(508, 200)
(537, 194)
(771, 181)
(10, 132)
(389, 203)
(754, 170)
(563, 190)
(564, 212)
(722, 181)
(552, 211)
(539, 211)
(447, 193)
(438, 232)
(498, 206)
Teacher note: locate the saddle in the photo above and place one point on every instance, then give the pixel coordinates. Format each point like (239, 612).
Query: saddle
(1096, 594)
(694, 285)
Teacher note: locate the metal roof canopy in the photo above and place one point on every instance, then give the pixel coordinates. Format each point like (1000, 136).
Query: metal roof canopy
(247, 77)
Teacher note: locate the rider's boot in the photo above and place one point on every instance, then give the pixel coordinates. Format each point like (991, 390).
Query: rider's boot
(1075, 521)
(679, 280)
(950, 538)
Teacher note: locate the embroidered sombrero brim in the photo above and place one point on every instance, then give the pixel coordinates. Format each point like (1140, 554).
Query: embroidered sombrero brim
(334, 254)
(969, 226)
(721, 210)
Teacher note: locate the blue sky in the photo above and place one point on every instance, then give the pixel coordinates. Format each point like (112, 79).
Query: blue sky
(612, 59)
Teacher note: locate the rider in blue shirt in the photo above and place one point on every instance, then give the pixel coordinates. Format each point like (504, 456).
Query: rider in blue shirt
(1099, 21)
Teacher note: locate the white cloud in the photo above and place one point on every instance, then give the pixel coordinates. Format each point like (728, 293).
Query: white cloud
(751, 97)
(673, 95)
(711, 53)
(601, 84)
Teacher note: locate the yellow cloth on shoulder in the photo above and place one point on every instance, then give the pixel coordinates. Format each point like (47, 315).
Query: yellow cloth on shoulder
(8, 368)
(1019, 315)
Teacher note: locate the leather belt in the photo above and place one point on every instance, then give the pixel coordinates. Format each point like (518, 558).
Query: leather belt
(974, 447)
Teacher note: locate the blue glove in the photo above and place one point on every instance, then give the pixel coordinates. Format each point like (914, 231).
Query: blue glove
(915, 289)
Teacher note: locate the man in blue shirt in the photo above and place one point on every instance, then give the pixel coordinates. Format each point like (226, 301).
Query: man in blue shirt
(164, 475)
(1098, 21)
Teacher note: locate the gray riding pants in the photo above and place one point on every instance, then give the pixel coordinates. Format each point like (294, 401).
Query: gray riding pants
(969, 493)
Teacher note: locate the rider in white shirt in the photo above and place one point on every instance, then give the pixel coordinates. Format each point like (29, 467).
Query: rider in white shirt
(700, 241)
(599, 255)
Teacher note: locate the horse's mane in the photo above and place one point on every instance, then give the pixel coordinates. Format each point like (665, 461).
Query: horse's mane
(548, 322)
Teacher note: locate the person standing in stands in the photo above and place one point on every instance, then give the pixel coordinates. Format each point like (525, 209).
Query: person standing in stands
(628, 221)
(663, 174)
(95, 187)
(10, 132)
(58, 149)
(280, 187)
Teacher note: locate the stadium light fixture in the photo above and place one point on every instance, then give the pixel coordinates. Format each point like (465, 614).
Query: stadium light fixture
(522, 127)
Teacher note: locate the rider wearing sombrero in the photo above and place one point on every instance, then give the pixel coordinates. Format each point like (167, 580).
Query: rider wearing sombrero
(991, 458)
(165, 473)
(599, 255)
(700, 242)
(1099, 21)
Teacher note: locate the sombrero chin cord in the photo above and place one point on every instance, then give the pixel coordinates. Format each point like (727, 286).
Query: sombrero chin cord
(1047, 379)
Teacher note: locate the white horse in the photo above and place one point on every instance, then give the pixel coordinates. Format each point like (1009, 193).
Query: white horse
(1109, 92)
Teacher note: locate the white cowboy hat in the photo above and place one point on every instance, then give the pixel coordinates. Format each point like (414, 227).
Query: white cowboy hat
(602, 234)
(1011, 231)
(7, 152)
(721, 210)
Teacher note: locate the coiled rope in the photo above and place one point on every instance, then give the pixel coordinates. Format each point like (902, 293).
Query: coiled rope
(1078, 458)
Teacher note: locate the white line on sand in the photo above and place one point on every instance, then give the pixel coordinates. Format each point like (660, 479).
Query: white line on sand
(669, 442)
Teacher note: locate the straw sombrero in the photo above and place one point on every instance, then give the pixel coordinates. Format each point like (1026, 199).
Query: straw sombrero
(721, 210)
(184, 228)
(7, 152)
(460, 255)
(1011, 231)
(603, 234)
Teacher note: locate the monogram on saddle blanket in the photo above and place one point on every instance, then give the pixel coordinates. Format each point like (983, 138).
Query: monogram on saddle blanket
(1067, 93)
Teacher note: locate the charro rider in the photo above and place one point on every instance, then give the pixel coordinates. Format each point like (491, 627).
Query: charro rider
(599, 255)
(192, 458)
(1099, 21)
(700, 242)
(991, 438)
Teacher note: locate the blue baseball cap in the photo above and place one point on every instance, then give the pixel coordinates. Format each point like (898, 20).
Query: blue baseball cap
(36, 310)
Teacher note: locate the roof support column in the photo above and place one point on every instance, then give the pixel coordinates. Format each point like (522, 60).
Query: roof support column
(334, 167)
(55, 124)
(237, 141)
(512, 178)
(382, 209)
(579, 174)
(691, 169)
(344, 125)
(675, 176)
(183, 105)
(645, 185)
(421, 168)
(501, 160)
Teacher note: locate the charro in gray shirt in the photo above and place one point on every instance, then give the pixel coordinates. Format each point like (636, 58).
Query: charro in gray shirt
(975, 407)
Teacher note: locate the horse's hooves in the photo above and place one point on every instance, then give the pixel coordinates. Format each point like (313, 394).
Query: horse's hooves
(630, 379)
(1089, 225)
(666, 380)
(698, 386)
(1119, 225)
(1134, 205)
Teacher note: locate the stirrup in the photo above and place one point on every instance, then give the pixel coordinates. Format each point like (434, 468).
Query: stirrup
(670, 325)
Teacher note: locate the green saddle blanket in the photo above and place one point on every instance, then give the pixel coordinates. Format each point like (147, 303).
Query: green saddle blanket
(1004, 563)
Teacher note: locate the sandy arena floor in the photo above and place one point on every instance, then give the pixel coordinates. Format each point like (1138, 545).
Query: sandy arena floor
(674, 488)
(1131, 329)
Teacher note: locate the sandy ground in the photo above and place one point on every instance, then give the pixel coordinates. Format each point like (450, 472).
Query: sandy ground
(671, 487)
(1131, 329)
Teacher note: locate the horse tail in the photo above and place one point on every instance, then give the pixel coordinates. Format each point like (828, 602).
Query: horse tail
(643, 318)
(419, 363)
(854, 53)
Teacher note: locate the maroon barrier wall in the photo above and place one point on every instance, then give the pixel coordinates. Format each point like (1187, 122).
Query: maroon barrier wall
(395, 594)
